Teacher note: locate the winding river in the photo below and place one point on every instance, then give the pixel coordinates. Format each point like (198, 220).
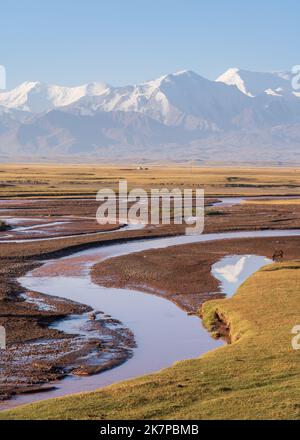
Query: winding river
(164, 333)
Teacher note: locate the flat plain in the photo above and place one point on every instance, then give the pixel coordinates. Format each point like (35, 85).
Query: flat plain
(255, 376)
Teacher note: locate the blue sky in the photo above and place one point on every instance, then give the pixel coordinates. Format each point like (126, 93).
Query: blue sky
(129, 41)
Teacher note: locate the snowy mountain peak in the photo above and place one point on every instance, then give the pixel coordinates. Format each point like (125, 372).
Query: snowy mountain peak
(255, 83)
(182, 75)
(37, 97)
(186, 73)
(179, 98)
(234, 77)
(176, 115)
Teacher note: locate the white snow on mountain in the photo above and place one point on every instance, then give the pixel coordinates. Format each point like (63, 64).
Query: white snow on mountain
(177, 115)
(37, 97)
(254, 83)
(182, 98)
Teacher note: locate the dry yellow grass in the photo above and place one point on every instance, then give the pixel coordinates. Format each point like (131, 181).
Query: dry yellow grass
(273, 202)
(75, 180)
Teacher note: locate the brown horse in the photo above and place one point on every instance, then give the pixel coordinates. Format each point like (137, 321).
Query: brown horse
(278, 255)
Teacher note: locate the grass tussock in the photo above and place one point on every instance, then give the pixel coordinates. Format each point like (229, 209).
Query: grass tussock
(255, 377)
(4, 226)
(214, 212)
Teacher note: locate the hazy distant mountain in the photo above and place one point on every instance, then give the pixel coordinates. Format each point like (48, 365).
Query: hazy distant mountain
(180, 116)
(37, 97)
(182, 98)
(254, 83)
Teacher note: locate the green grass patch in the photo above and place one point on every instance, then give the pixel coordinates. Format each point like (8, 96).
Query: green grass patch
(214, 212)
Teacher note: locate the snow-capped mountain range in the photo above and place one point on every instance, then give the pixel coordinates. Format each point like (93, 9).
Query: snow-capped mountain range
(180, 116)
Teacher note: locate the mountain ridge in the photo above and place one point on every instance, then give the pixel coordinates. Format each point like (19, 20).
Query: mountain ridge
(177, 115)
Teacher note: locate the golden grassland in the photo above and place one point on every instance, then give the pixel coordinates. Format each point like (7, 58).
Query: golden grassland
(273, 202)
(44, 180)
(255, 377)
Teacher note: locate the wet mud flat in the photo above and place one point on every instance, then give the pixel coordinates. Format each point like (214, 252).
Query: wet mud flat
(186, 278)
(67, 217)
(38, 351)
(53, 218)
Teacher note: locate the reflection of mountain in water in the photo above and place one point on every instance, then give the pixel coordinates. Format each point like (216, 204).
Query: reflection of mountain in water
(232, 271)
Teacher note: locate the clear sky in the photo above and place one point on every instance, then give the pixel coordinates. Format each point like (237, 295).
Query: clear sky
(129, 41)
